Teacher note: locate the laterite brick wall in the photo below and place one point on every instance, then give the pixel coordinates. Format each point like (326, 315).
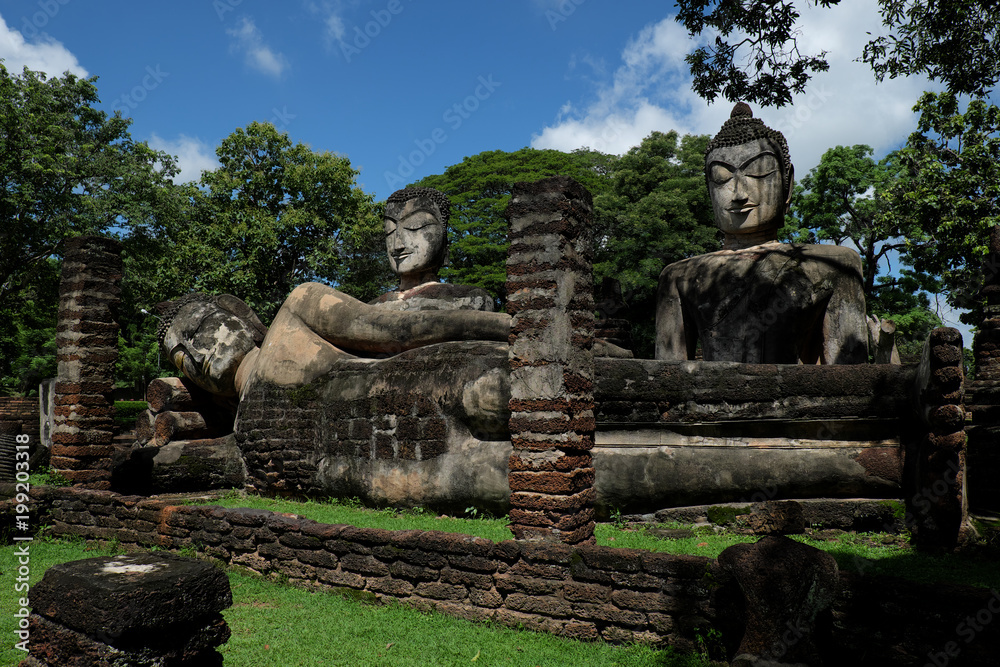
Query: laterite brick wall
(23, 411)
(588, 592)
(550, 295)
(583, 591)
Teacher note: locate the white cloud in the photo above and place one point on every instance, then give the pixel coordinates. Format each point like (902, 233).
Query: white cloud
(331, 13)
(247, 39)
(41, 54)
(651, 90)
(193, 155)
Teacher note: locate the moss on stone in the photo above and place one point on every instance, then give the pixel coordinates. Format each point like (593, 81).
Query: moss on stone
(723, 515)
(898, 508)
(301, 396)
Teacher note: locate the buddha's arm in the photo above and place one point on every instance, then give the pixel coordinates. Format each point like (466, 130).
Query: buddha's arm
(845, 331)
(675, 339)
(350, 324)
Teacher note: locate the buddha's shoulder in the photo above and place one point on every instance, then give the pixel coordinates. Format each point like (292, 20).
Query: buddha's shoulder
(783, 252)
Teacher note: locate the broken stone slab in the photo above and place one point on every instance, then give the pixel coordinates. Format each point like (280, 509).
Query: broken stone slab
(856, 514)
(130, 610)
(170, 426)
(180, 466)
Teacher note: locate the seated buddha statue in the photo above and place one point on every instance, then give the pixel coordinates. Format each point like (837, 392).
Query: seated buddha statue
(758, 300)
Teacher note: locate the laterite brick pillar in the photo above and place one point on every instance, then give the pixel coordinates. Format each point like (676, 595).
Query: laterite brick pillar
(87, 342)
(939, 501)
(550, 295)
(983, 397)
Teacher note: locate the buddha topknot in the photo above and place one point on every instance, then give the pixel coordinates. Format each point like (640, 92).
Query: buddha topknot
(742, 127)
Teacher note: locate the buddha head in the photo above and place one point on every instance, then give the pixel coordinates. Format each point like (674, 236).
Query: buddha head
(207, 337)
(416, 235)
(749, 175)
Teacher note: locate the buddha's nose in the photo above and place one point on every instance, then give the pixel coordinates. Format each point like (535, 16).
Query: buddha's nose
(739, 188)
(395, 242)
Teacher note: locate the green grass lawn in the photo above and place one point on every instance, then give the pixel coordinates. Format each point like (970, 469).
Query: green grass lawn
(277, 624)
(280, 625)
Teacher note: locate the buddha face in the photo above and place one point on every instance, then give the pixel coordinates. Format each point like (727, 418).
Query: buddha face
(414, 237)
(745, 183)
(207, 343)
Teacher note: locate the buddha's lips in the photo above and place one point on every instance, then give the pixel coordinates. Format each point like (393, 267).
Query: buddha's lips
(746, 208)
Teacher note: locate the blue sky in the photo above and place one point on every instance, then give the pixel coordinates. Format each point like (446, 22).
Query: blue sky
(405, 88)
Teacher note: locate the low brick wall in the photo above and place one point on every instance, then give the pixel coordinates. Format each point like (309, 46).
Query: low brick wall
(582, 591)
(586, 592)
(22, 410)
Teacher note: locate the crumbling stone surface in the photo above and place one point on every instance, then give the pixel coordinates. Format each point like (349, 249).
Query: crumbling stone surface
(428, 429)
(939, 503)
(130, 610)
(642, 390)
(776, 518)
(983, 397)
(550, 295)
(183, 442)
(87, 344)
(180, 466)
(786, 586)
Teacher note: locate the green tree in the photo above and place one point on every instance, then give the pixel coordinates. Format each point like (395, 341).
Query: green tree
(846, 200)
(651, 207)
(66, 169)
(479, 189)
(951, 194)
(656, 212)
(274, 215)
(28, 334)
(755, 55)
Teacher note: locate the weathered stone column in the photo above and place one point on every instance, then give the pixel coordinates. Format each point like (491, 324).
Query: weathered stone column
(87, 340)
(938, 501)
(550, 295)
(983, 397)
(985, 389)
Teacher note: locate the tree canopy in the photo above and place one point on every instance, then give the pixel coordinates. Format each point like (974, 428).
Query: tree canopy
(651, 208)
(656, 211)
(66, 169)
(846, 199)
(951, 193)
(274, 215)
(755, 55)
(479, 189)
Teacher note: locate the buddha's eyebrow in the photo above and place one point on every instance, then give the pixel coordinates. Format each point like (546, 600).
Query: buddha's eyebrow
(757, 157)
(420, 210)
(723, 164)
